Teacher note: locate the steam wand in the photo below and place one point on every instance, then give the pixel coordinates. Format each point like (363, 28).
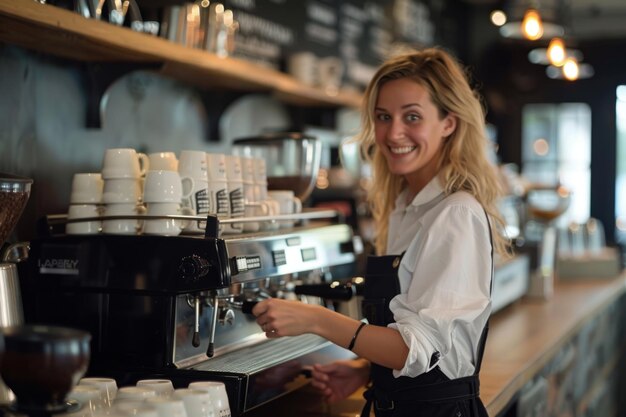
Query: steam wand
(196, 331)
(211, 348)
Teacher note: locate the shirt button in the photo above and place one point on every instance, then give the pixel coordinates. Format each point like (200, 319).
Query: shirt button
(396, 262)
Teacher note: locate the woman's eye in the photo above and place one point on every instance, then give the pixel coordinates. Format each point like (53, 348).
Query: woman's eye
(412, 117)
(382, 117)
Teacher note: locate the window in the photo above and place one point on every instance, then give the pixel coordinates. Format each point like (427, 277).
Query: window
(556, 149)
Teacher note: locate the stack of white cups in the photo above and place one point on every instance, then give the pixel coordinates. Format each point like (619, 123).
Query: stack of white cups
(193, 171)
(235, 192)
(100, 397)
(85, 201)
(219, 201)
(163, 194)
(123, 170)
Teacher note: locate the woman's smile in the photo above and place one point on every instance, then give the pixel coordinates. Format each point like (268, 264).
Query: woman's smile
(402, 150)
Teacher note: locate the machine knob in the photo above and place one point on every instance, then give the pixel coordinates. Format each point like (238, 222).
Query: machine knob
(194, 267)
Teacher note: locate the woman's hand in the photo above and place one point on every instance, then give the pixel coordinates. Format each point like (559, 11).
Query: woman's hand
(338, 380)
(286, 318)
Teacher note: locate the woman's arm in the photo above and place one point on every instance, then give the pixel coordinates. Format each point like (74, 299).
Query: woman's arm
(381, 345)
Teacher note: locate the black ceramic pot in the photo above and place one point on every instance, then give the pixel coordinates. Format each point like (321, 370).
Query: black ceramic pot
(41, 364)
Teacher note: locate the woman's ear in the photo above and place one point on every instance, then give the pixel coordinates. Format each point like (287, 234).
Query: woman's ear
(449, 124)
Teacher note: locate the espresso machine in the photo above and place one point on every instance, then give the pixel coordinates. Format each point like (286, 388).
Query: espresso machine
(178, 307)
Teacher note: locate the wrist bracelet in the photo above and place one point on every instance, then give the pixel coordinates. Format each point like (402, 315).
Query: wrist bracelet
(356, 334)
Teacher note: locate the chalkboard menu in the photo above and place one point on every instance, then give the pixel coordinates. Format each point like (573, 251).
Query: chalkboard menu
(359, 32)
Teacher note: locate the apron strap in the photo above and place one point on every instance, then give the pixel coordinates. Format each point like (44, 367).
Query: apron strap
(483, 336)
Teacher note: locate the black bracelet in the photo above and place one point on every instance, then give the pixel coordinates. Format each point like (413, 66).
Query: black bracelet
(356, 334)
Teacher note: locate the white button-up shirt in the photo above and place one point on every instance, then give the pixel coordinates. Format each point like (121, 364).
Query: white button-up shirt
(445, 276)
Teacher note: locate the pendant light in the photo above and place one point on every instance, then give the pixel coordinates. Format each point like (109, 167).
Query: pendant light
(532, 26)
(570, 69)
(557, 73)
(529, 20)
(556, 52)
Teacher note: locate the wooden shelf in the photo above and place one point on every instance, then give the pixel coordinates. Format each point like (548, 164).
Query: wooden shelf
(63, 33)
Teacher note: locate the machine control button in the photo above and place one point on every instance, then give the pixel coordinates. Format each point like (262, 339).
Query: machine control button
(279, 257)
(194, 267)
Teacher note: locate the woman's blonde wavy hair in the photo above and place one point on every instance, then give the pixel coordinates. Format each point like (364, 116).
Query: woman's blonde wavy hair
(464, 163)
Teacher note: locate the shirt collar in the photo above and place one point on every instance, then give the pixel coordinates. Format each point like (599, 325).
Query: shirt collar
(432, 190)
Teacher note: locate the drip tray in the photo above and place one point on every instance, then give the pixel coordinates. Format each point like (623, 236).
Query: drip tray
(254, 359)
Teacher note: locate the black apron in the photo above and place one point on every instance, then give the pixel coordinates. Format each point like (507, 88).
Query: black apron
(431, 394)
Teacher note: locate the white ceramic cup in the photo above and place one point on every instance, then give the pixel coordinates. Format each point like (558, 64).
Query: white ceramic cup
(197, 201)
(255, 209)
(134, 394)
(89, 397)
(219, 200)
(163, 161)
(122, 190)
(81, 211)
(168, 407)
(163, 187)
(197, 403)
(133, 407)
(165, 227)
(288, 202)
(217, 391)
(162, 387)
(303, 67)
(122, 226)
(107, 386)
(124, 163)
(86, 188)
(193, 170)
(193, 164)
(260, 170)
(216, 167)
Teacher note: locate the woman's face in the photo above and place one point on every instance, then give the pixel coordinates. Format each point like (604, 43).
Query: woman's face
(409, 130)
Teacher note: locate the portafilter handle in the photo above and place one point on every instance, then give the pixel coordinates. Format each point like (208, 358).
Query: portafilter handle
(336, 290)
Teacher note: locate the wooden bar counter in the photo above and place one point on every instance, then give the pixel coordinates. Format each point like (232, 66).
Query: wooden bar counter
(523, 338)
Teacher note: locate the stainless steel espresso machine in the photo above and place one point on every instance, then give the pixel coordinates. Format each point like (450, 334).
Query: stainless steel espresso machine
(177, 307)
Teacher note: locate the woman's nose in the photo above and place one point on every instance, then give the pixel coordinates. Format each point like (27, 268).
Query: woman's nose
(396, 130)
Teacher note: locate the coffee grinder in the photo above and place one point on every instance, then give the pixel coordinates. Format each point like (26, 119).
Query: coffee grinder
(544, 205)
(14, 193)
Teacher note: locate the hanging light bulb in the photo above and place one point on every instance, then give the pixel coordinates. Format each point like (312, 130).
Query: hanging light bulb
(556, 52)
(570, 69)
(498, 17)
(532, 27)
